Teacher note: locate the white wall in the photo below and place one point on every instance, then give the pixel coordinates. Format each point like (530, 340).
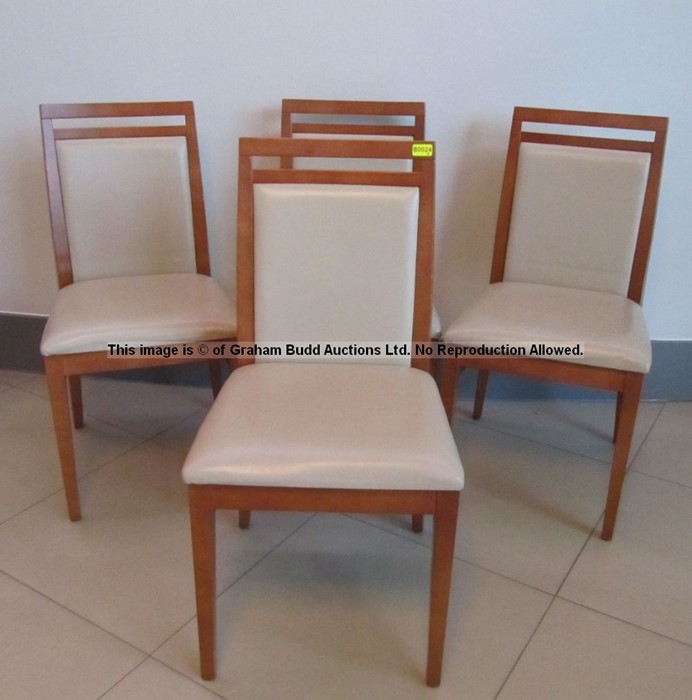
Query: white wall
(471, 61)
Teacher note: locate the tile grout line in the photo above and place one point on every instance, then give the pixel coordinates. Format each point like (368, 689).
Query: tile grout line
(236, 580)
(532, 441)
(218, 595)
(150, 655)
(74, 612)
(524, 648)
(271, 551)
(631, 467)
(82, 477)
(109, 423)
(554, 597)
(143, 440)
(477, 423)
(410, 540)
(122, 678)
(178, 673)
(625, 622)
(177, 423)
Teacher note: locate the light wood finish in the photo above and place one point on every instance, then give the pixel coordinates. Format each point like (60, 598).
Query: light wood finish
(291, 123)
(356, 118)
(205, 499)
(370, 118)
(69, 367)
(626, 384)
(53, 132)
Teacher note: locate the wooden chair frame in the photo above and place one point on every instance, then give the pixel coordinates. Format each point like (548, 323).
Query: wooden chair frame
(205, 500)
(70, 367)
(627, 384)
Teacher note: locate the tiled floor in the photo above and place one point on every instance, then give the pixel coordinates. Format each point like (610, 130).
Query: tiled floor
(336, 606)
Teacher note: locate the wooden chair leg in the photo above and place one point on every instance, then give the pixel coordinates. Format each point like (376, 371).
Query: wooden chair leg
(628, 407)
(203, 524)
(448, 373)
(60, 406)
(244, 519)
(481, 386)
(75, 382)
(444, 535)
(215, 376)
(417, 523)
(618, 407)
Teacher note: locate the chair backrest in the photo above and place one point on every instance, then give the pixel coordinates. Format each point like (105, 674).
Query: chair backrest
(579, 200)
(352, 119)
(334, 256)
(124, 189)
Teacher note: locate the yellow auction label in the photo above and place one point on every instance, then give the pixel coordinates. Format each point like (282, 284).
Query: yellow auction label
(422, 150)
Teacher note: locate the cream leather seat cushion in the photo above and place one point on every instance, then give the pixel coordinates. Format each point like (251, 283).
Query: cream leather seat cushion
(610, 327)
(167, 308)
(326, 426)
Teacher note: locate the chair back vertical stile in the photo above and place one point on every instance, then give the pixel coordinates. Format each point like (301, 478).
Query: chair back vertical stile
(245, 259)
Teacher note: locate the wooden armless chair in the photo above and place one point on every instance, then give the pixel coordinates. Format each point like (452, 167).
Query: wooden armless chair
(357, 119)
(129, 233)
(571, 248)
(326, 256)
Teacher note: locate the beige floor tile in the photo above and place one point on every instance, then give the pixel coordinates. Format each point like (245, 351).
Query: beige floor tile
(667, 452)
(526, 510)
(583, 427)
(127, 565)
(340, 611)
(48, 652)
(30, 468)
(154, 681)
(578, 654)
(644, 575)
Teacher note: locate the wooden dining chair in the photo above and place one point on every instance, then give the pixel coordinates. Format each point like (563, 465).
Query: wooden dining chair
(573, 236)
(339, 258)
(357, 119)
(130, 240)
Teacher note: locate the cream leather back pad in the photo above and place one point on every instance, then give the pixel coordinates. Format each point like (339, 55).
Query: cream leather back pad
(575, 217)
(127, 206)
(335, 263)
